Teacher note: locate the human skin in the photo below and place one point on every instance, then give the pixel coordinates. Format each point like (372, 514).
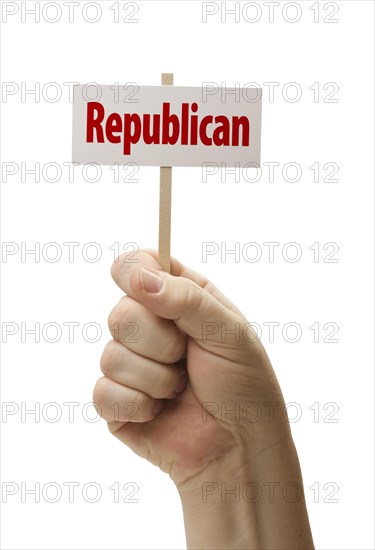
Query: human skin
(204, 405)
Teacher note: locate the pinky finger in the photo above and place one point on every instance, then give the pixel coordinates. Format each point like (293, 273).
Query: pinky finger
(117, 403)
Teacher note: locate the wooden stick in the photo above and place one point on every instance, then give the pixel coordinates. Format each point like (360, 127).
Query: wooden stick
(165, 203)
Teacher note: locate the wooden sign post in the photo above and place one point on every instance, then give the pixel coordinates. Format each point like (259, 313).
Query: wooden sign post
(165, 202)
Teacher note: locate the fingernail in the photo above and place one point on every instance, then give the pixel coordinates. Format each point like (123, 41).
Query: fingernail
(181, 385)
(159, 404)
(150, 281)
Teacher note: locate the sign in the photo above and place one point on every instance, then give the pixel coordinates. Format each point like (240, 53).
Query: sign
(166, 125)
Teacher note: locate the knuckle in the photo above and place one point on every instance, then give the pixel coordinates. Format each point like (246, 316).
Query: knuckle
(100, 393)
(123, 311)
(113, 317)
(107, 360)
(124, 262)
(115, 268)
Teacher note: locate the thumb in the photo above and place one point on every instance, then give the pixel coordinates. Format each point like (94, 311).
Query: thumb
(194, 310)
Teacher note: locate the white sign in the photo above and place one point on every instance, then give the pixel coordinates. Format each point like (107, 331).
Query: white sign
(166, 125)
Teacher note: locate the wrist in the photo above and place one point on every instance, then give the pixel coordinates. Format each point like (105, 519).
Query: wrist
(215, 516)
(252, 497)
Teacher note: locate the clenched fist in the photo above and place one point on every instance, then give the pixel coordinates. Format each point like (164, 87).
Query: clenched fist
(188, 385)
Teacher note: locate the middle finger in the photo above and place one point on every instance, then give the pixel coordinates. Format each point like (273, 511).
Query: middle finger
(141, 331)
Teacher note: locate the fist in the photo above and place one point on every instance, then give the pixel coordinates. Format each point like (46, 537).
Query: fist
(182, 365)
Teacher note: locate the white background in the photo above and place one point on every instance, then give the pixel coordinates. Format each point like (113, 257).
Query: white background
(171, 37)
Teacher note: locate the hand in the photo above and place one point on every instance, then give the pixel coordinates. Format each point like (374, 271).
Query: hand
(205, 406)
(195, 378)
